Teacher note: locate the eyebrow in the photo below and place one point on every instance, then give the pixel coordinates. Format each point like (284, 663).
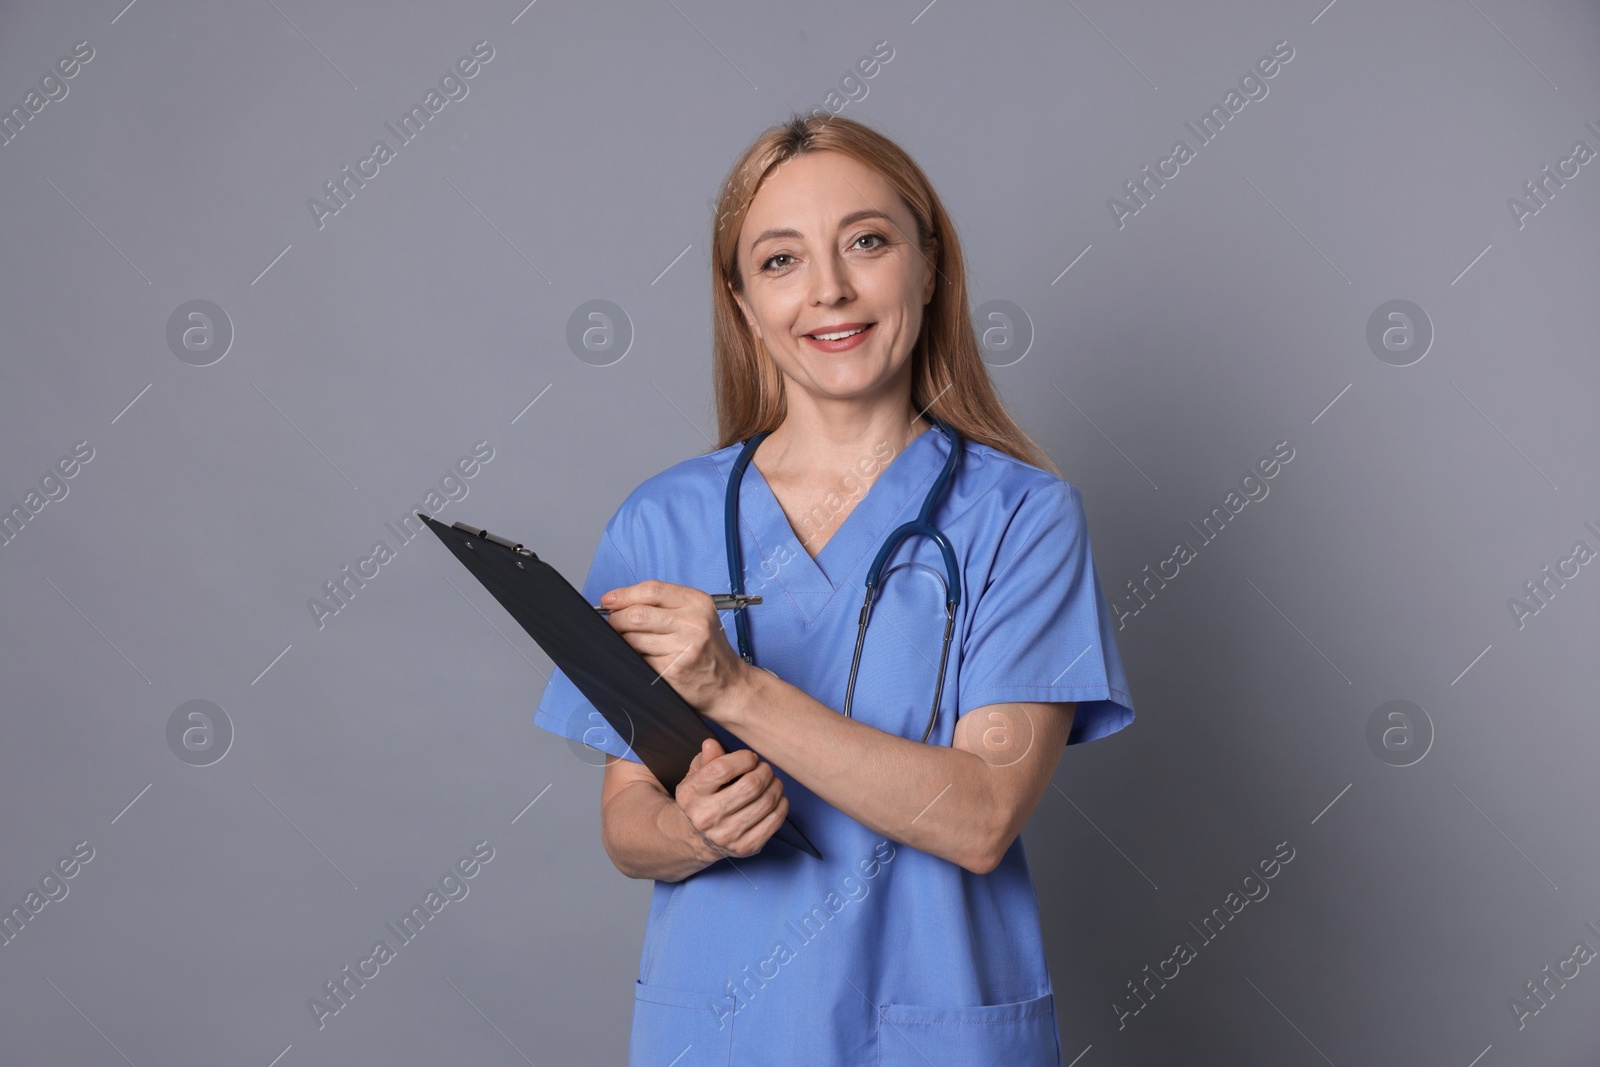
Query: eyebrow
(849, 220)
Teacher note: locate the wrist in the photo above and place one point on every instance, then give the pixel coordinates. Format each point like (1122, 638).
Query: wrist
(732, 706)
(674, 824)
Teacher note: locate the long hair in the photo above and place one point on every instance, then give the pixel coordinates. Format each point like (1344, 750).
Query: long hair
(948, 377)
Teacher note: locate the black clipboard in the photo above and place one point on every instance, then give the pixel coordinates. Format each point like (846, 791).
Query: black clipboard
(654, 720)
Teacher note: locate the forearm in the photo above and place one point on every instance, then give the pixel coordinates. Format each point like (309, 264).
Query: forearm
(647, 835)
(935, 798)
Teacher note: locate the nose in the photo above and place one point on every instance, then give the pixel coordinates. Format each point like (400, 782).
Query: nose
(830, 280)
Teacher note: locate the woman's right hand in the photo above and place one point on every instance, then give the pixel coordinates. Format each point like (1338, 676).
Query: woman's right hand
(732, 799)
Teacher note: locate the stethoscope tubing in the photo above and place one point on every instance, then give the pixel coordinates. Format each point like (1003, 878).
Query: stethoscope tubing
(921, 525)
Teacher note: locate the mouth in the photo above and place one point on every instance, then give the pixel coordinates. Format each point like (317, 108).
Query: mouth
(840, 338)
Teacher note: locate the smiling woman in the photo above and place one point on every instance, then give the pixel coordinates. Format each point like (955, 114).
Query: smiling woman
(842, 331)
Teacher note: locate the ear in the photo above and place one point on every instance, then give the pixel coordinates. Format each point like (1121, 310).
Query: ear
(744, 307)
(933, 272)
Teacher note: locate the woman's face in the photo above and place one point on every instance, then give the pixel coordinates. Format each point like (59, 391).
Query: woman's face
(828, 247)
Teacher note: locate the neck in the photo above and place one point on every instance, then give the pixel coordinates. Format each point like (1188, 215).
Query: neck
(817, 442)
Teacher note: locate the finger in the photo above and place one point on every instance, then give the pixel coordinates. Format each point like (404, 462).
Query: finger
(736, 795)
(730, 770)
(716, 773)
(619, 597)
(710, 749)
(661, 651)
(642, 619)
(758, 835)
(736, 828)
(728, 766)
(733, 764)
(757, 807)
(646, 592)
(747, 787)
(748, 808)
(666, 649)
(743, 832)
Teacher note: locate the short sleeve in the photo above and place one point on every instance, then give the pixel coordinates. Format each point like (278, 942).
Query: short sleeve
(1041, 627)
(565, 711)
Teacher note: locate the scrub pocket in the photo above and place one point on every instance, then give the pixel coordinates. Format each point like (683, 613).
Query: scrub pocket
(1021, 1034)
(669, 1023)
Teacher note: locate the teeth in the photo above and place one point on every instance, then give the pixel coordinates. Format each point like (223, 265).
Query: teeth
(836, 336)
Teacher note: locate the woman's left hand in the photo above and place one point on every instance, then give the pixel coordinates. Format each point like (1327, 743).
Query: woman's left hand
(677, 631)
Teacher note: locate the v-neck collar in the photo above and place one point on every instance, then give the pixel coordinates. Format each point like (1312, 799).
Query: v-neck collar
(893, 498)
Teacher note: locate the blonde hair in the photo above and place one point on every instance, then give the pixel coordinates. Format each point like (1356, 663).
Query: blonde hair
(948, 377)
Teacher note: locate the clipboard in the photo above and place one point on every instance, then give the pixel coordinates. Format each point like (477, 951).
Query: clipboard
(647, 713)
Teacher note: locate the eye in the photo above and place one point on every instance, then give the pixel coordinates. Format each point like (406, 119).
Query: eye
(767, 266)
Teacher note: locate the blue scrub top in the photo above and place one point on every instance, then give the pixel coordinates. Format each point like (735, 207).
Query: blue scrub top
(878, 954)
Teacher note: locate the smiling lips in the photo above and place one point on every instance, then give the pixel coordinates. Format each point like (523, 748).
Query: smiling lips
(844, 336)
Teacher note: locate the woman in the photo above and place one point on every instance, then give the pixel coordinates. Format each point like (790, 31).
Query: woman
(842, 328)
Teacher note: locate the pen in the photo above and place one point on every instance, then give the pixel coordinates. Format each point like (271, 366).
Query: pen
(721, 601)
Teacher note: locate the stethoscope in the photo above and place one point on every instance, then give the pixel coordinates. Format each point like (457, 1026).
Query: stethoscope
(922, 524)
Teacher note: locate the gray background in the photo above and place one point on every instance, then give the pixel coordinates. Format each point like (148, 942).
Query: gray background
(1228, 315)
